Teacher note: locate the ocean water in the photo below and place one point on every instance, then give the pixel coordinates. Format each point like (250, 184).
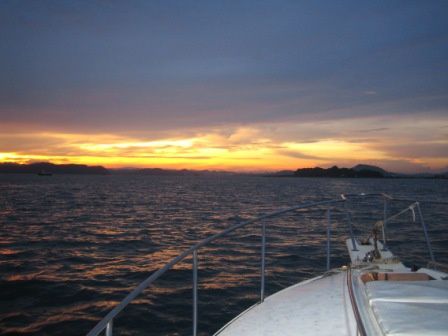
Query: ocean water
(72, 247)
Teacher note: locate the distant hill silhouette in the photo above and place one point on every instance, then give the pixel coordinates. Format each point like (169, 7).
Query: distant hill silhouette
(164, 172)
(50, 168)
(364, 167)
(282, 173)
(339, 172)
(358, 171)
(172, 172)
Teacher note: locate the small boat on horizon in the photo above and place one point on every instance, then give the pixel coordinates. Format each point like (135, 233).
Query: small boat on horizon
(44, 173)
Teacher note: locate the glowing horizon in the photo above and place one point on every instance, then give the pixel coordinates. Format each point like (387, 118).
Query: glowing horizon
(238, 149)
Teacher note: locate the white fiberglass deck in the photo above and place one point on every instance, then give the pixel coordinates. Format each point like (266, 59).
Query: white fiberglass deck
(320, 306)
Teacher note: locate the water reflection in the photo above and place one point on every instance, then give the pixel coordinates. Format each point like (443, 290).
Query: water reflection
(72, 247)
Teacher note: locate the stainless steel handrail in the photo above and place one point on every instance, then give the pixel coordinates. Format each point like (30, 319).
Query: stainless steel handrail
(107, 322)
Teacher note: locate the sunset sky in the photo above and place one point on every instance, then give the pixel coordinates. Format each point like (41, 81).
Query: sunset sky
(230, 85)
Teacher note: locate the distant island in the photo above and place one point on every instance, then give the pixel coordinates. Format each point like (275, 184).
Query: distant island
(47, 168)
(335, 171)
(358, 171)
(170, 172)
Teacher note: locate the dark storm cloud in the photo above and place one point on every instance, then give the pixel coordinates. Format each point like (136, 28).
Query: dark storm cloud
(167, 64)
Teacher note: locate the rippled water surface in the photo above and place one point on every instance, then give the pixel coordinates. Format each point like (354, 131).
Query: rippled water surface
(72, 247)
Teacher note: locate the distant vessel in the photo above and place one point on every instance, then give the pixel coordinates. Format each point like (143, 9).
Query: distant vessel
(44, 173)
(375, 295)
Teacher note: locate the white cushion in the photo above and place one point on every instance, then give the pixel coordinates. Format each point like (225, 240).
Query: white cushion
(410, 307)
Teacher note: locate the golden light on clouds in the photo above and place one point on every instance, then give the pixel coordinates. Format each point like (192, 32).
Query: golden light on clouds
(94, 147)
(241, 150)
(256, 148)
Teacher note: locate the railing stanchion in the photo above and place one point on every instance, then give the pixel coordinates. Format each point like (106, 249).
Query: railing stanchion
(425, 230)
(328, 237)
(195, 292)
(384, 224)
(109, 327)
(263, 259)
(350, 226)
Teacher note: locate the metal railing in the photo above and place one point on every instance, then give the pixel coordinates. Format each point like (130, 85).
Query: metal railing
(106, 324)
